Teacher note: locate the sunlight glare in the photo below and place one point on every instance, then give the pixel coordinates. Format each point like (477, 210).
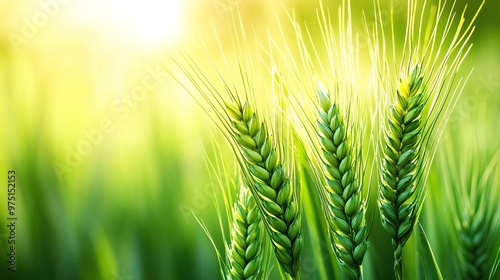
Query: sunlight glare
(146, 23)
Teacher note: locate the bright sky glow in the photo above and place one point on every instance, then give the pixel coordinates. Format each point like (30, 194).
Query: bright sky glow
(143, 22)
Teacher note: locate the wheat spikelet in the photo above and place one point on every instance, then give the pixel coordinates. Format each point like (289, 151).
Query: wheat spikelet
(270, 186)
(399, 194)
(245, 255)
(347, 217)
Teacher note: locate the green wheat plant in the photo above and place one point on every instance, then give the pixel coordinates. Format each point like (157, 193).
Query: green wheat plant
(345, 197)
(471, 194)
(272, 187)
(246, 252)
(376, 126)
(264, 159)
(400, 197)
(332, 126)
(269, 183)
(246, 246)
(419, 105)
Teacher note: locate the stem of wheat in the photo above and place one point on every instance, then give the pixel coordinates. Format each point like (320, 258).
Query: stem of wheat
(344, 193)
(399, 194)
(271, 187)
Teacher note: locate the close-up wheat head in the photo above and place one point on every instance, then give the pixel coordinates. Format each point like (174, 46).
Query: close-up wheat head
(246, 247)
(273, 190)
(471, 196)
(260, 153)
(335, 124)
(246, 256)
(400, 197)
(425, 92)
(345, 199)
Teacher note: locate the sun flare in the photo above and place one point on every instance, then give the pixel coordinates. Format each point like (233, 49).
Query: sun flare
(147, 23)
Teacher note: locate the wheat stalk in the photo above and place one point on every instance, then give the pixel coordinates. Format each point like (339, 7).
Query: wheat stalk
(344, 192)
(259, 157)
(424, 99)
(245, 254)
(333, 160)
(270, 186)
(400, 196)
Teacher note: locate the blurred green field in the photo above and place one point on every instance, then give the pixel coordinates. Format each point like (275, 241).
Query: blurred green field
(109, 150)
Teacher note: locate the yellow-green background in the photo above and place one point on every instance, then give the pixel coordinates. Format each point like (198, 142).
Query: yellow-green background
(124, 210)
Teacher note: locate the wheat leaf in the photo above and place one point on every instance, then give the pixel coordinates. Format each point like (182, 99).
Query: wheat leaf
(432, 270)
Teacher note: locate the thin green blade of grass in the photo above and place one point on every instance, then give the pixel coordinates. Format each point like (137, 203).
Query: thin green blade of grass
(431, 268)
(496, 264)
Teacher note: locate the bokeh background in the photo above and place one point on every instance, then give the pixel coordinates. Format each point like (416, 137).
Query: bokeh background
(108, 148)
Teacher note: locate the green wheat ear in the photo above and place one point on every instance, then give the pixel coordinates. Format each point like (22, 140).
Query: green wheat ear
(471, 192)
(436, 42)
(270, 186)
(476, 220)
(246, 254)
(344, 192)
(473, 246)
(400, 195)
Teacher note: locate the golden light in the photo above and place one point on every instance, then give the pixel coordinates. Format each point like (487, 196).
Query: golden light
(146, 23)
